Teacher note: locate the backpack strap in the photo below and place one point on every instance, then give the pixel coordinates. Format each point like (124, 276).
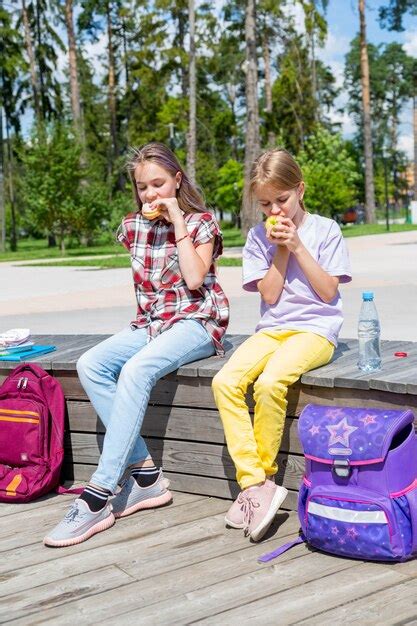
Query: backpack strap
(287, 546)
(63, 490)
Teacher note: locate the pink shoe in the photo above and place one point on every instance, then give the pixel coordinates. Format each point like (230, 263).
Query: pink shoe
(234, 516)
(260, 505)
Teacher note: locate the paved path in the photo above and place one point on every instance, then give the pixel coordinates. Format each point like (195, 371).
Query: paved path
(88, 300)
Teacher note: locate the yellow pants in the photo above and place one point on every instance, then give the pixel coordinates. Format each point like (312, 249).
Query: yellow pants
(275, 359)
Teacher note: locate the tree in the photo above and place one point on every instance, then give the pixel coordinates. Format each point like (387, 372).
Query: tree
(229, 187)
(249, 213)
(73, 68)
(12, 100)
(391, 86)
(330, 173)
(51, 180)
(391, 16)
(96, 17)
(192, 132)
(367, 119)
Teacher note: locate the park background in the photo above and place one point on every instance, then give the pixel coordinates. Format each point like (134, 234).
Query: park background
(334, 81)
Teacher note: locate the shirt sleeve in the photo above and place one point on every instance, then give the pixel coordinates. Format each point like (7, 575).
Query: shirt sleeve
(255, 262)
(124, 232)
(207, 229)
(334, 256)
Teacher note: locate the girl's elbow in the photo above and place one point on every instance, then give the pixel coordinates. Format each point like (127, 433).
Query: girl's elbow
(269, 299)
(328, 298)
(194, 284)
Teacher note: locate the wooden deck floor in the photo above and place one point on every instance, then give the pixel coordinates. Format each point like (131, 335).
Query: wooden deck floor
(179, 565)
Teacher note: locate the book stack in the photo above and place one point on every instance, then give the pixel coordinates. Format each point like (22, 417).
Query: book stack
(16, 345)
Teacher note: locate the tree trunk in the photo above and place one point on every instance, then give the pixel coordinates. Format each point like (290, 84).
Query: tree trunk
(181, 38)
(32, 64)
(13, 231)
(415, 143)
(367, 122)
(73, 67)
(314, 76)
(268, 88)
(249, 213)
(112, 88)
(41, 62)
(192, 123)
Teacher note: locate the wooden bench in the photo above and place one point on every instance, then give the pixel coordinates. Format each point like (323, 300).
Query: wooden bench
(182, 426)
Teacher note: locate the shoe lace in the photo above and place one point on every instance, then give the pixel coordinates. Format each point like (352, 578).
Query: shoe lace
(248, 504)
(72, 514)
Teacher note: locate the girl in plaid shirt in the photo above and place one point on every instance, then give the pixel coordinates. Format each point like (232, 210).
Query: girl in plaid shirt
(182, 315)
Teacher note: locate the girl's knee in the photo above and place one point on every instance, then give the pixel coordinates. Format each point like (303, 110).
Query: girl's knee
(267, 385)
(223, 380)
(85, 364)
(132, 374)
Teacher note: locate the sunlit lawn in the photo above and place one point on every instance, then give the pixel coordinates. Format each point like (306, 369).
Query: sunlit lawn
(33, 249)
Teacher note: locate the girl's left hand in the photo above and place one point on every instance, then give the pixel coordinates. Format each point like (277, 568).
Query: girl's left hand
(284, 233)
(168, 208)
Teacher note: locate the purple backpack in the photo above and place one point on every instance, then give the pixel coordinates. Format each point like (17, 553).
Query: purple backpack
(358, 497)
(32, 416)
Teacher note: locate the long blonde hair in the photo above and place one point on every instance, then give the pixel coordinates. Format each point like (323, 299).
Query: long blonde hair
(189, 199)
(277, 168)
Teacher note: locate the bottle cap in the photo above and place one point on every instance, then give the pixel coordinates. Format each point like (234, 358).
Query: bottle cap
(367, 296)
(401, 355)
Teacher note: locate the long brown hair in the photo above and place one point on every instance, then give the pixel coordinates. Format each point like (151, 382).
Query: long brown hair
(277, 168)
(189, 199)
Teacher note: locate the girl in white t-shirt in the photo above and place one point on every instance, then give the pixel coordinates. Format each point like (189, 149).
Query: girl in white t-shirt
(296, 265)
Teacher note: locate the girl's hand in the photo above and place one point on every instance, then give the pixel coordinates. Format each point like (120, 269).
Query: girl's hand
(169, 209)
(284, 233)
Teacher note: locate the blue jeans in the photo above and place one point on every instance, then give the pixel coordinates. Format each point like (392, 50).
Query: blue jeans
(118, 376)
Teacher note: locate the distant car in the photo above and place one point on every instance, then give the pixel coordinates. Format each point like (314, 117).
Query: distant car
(354, 215)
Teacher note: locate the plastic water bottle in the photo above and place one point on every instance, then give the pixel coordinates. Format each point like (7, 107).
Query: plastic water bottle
(368, 334)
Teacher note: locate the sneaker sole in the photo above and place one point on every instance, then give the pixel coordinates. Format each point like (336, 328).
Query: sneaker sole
(233, 524)
(277, 500)
(150, 503)
(98, 528)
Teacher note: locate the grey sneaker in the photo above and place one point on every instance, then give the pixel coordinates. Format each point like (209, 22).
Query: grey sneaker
(133, 498)
(79, 524)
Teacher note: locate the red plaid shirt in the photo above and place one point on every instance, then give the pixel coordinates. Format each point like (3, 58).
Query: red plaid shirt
(161, 292)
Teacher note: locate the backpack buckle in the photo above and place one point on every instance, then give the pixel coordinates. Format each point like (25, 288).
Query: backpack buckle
(341, 467)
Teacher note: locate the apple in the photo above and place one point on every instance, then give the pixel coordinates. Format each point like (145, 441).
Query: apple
(271, 221)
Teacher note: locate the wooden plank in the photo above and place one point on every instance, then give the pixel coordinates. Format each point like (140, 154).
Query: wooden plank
(61, 592)
(206, 558)
(199, 459)
(188, 483)
(285, 607)
(174, 423)
(196, 544)
(125, 537)
(392, 605)
(134, 534)
(217, 598)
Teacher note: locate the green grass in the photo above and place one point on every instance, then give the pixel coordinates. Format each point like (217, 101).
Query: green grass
(114, 262)
(232, 237)
(375, 229)
(36, 249)
(32, 249)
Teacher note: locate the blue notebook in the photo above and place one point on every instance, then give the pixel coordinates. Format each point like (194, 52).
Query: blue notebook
(27, 354)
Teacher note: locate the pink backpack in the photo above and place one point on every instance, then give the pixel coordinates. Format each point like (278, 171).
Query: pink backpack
(32, 418)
